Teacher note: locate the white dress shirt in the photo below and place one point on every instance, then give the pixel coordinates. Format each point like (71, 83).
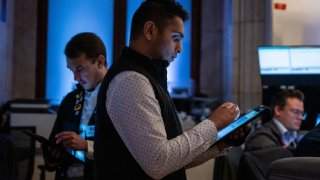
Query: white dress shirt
(89, 105)
(287, 137)
(135, 113)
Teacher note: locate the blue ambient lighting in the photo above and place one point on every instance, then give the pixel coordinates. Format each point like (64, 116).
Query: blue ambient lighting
(66, 19)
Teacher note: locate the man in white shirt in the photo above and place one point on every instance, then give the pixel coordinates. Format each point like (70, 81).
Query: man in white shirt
(138, 132)
(73, 131)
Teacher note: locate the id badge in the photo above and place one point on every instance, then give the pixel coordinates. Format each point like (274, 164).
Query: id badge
(90, 131)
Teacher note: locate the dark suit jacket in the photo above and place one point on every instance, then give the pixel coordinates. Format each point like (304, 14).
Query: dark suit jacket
(309, 145)
(266, 136)
(68, 119)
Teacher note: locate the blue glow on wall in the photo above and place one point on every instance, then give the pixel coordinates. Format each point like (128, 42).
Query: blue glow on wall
(66, 18)
(179, 71)
(132, 6)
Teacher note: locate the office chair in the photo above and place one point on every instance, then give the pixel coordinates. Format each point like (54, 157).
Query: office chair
(226, 166)
(25, 150)
(8, 161)
(294, 168)
(254, 164)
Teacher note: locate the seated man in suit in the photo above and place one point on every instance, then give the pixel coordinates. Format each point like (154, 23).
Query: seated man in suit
(281, 130)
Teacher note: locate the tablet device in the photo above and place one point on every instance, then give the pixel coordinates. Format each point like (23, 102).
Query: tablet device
(77, 154)
(240, 122)
(37, 137)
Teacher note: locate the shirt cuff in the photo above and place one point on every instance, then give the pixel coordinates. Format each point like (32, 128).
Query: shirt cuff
(89, 154)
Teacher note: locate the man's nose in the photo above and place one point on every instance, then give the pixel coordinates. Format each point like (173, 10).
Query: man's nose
(179, 47)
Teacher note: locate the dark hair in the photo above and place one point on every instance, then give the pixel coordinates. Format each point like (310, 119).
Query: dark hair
(85, 43)
(281, 97)
(158, 11)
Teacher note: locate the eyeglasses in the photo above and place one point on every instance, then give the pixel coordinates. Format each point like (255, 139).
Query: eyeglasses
(298, 112)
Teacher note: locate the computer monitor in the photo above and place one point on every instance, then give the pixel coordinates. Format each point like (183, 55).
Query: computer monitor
(289, 65)
(317, 121)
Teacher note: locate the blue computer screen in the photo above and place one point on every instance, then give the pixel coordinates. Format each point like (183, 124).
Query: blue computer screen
(289, 60)
(289, 65)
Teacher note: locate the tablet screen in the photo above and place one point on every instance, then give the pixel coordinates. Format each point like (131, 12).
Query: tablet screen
(243, 120)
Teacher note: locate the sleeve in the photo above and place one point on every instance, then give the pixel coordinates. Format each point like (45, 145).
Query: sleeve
(212, 152)
(51, 163)
(89, 154)
(136, 115)
(61, 115)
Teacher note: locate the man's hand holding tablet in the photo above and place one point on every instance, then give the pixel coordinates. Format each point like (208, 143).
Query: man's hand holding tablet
(231, 129)
(224, 115)
(234, 134)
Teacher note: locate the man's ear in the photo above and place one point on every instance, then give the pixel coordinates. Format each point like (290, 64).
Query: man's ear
(149, 30)
(101, 61)
(277, 110)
